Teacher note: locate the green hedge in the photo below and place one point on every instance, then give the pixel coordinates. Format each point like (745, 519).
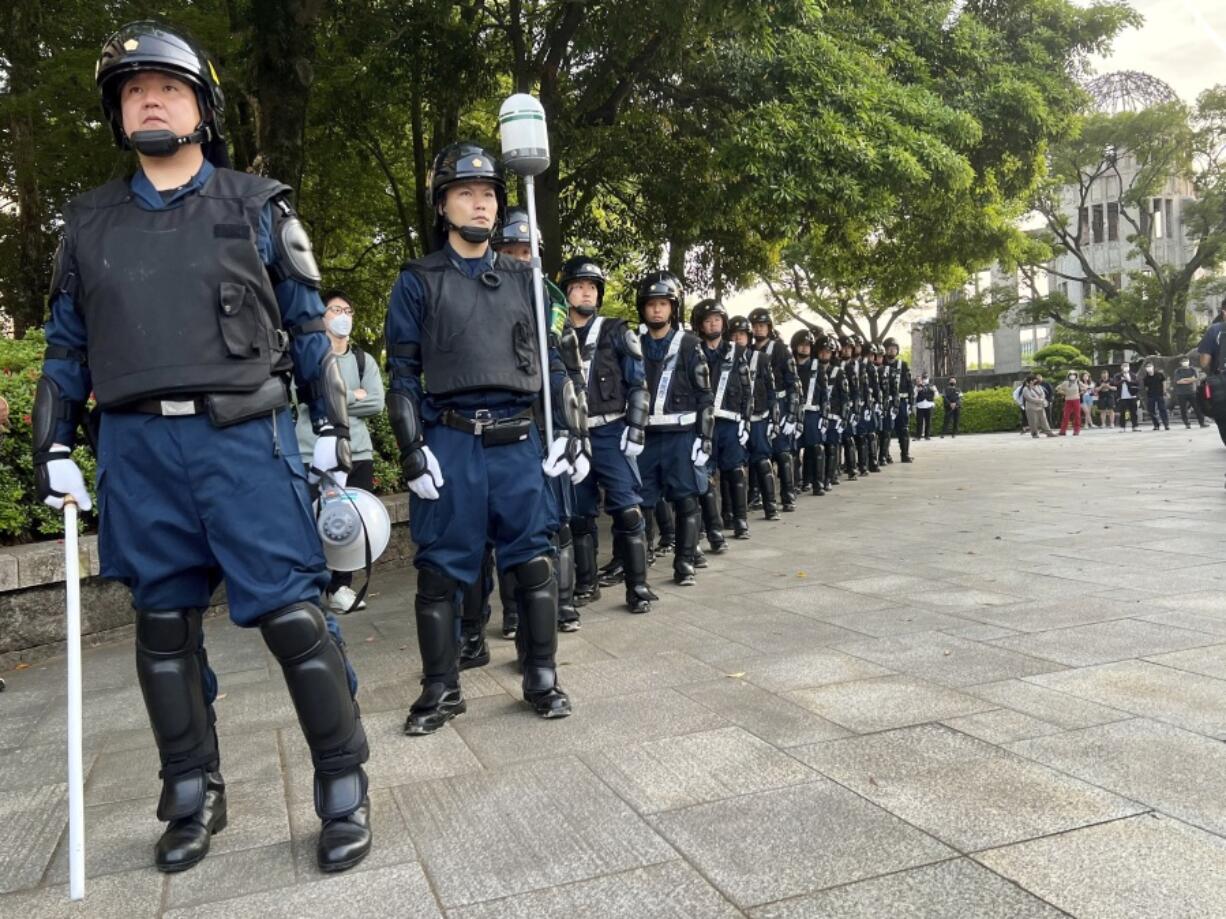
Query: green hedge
(23, 518)
(984, 411)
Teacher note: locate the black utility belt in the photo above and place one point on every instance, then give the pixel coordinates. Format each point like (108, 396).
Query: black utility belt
(494, 432)
(223, 408)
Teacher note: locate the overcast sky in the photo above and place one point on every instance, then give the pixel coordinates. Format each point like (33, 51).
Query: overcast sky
(1181, 41)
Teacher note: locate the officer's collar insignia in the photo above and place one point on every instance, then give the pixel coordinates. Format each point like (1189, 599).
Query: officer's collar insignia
(476, 162)
(131, 44)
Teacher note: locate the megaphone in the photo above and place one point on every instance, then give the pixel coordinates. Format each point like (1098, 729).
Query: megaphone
(354, 527)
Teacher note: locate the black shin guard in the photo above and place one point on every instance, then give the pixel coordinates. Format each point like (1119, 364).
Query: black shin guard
(313, 663)
(583, 533)
(766, 484)
(170, 667)
(537, 592)
(725, 500)
(631, 543)
(565, 565)
(785, 481)
(738, 489)
(510, 606)
(712, 522)
(688, 517)
(435, 612)
(819, 469)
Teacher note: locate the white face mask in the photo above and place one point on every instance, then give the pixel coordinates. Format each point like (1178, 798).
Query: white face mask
(341, 325)
(1184, 363)
(1149, 368)
(1123, 368)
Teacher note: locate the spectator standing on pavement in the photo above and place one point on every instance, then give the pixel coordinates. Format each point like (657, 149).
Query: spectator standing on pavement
(1070, 389)
(360, 371)
(1035, 401)
(953, 407)
(1128, 388)
(1184, 380)
(1048, 392)
(1087, 399)
(925, 401)
(1106, 401)
(1155, 396)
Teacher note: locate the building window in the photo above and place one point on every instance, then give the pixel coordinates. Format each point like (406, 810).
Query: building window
(1157, 230)
(1087, 293)
(1033, 338)
(1113, 222)
(980, 352)
(1169, 224)
(1098, 223)
(1083, 226)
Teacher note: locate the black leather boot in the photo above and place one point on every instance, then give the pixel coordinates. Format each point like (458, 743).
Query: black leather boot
(870, 452)
(738, 490)
(510, 608)
(712, 522)
(568, 614)
(440, 699)
(170, 666)
(537, 592)
(186, 839)
(688, 517)
(631, 544)
(344, 841)
(904, 447)
(832, 465)
(849, 459)
(667, 526)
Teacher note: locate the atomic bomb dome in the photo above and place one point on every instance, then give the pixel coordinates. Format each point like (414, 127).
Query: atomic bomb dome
(1128, 91)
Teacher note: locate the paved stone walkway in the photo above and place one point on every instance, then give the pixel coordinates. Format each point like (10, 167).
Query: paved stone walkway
(990, 684)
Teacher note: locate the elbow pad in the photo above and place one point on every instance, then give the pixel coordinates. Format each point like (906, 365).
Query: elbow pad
(706, 423)
(638, 406)
(50, 408)
(331, 386)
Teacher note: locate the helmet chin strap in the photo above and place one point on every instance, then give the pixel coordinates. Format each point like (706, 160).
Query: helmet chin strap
(166, 143)
(712, 336)
(584, 310)
(475, 234)
(659, 324)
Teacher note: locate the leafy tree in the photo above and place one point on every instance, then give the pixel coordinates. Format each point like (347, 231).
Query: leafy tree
(1057, 359)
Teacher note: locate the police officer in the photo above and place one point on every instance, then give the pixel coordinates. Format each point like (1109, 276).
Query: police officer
(815, 404)
(466, 374)
(514, 240)
(763, 415)
(174, 298)
(729, 370)
(902, 387)
(786, 397)
(833, 381)
(617, 404)
(866, 427)
(681, 420)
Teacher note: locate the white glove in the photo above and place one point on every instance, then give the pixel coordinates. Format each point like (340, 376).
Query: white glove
(556, 462)
(742, 432)
(579, 468)
(325, 460)
(628, 447)
(789, 428)
(63, 479)
(426, 485)
(698, 455)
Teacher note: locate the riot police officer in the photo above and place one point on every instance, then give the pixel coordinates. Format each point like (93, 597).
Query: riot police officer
(681, 420)
(869, 356)
(184, 298)
(854, 406)
(901, 387)
(763, 415)
(838, 399)
(729, 370)
(466, 372)
(786, 397)
(815, 405)
(617, 403)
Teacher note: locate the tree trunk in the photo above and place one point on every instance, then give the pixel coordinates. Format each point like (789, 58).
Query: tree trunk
(283, 46)
(25, 301)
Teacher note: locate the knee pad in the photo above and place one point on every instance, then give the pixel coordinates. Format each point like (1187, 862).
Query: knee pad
(532, 574)
(435, 586)
(628, 519)
(294, 633)
(168, 633)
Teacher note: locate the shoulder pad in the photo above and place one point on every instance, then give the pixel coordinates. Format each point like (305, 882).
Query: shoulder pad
(294, 256)
(633, 345)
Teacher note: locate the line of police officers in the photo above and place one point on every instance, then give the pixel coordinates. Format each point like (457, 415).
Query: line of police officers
(185, 299)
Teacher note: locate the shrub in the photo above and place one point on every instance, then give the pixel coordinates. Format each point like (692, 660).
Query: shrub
(984, 411)
(1056, 360)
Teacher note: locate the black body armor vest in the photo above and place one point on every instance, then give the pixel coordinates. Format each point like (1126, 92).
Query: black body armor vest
(763, 381)
(730, 358)
(177, 301)
(477, 333)
(681, 396)
(606, 388)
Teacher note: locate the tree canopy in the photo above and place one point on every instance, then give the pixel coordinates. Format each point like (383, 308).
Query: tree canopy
(851, 152)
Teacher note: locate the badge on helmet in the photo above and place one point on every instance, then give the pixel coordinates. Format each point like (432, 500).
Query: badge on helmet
(514, 231)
